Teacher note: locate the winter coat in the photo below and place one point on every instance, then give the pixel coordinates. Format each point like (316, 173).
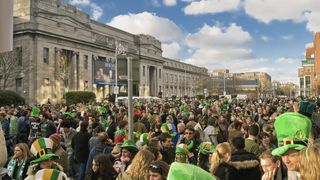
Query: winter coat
(80, 146)
(226, 172)
(246, 164)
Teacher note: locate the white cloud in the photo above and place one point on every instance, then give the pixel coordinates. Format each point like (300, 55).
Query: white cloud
(286, 61)
(171, 50)
(211, 6)
(148, 23)
(282, 10)
(219, 37)
(170, 2)
(265, 38)
(96, 11)
(217, 45)
(287, 37)
(80, 2)
(313, 24)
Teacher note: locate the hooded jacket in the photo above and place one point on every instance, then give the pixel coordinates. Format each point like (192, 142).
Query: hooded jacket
(246, 165)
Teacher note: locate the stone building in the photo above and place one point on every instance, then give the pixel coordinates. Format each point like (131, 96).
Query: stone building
(63, 50)
(309, 71)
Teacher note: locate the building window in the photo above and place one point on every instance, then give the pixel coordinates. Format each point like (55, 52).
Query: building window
(86, 85)
(143, 71)
(308, 81)
(159, 73)
(19, 85)
(85, 61)
(46, 55)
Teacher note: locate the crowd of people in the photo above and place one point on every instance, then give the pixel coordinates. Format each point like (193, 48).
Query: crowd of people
(179, 138)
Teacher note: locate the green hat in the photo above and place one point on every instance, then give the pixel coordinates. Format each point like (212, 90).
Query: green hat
(144, 139)
(136, 136)
(182, 149)
(292, 131)
(306, 108)
(206, 148)
(42, 150)
(35, 112)
(182, 171)
(130, 145)
(68, 114)
(167, 128)
(51, 174)
(101, 110)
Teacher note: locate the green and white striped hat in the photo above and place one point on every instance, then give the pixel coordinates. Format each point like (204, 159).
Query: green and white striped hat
(42, 150)
(50, 174)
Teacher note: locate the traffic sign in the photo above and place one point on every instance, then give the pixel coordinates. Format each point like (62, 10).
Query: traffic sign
(123, 77)
(116, 90)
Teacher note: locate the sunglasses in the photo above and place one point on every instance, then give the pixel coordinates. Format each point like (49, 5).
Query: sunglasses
(155, 168)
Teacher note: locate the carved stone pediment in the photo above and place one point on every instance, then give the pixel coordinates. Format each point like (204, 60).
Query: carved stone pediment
(151, 47)
(63, 19)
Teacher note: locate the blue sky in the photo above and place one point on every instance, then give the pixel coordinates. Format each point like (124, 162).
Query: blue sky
(240, 35)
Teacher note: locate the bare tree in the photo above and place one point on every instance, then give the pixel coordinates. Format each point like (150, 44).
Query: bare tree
(8, 62)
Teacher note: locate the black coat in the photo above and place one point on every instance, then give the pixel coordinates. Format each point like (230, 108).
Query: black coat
(226, 172)
(246, 164)
(80, 146)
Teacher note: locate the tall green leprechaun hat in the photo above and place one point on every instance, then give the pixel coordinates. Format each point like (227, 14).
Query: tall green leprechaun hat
(182, 171)
(42, 150)
(292, 130)
(50, 174)
(167, 128)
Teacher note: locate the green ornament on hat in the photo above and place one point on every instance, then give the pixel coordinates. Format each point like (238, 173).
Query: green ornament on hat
(292, 130)
(35, 111)
(136, 136)
(206, 148)
(144, 139)
(50, 174)
(42, 150)
(182, 149)
(130, 145)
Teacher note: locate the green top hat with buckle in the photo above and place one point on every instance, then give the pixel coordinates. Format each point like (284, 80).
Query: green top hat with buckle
(130, 145)
(42, 150)
(292, 130)
(206, 148)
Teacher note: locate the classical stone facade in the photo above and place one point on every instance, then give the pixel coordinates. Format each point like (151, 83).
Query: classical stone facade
(64, 50)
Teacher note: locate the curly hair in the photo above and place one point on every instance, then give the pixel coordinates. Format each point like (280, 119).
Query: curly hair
(309, 163)
(139, 168)
(222, 151)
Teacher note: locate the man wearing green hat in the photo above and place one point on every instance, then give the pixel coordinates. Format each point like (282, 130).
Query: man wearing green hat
(292, 130)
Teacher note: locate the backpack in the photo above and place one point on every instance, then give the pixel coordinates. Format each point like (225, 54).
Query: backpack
(13, 126)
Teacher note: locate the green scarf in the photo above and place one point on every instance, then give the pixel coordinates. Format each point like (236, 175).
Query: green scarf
(13, 172)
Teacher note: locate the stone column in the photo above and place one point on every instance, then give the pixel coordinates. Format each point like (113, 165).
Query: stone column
(57, 80)
(74, 71)
(6, 24)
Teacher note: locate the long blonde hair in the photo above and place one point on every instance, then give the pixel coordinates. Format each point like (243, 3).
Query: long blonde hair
(309, 163)
(222, 151)
(139, 168)
(26, 154)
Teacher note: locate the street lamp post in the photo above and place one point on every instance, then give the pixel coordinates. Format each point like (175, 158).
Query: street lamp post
(119, 50)
(224, 84)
